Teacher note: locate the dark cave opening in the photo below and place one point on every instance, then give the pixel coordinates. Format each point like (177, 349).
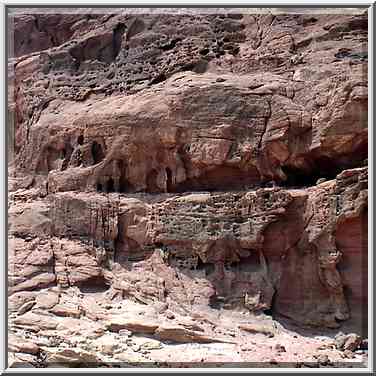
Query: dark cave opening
(123, 185)
(327, 167)
(228, 178)
(200, 264)
(94, 285)
(298, 178)
(99, 187)
(169, 180)
(97, 152)
(110, 185)
(324, 168)
(80, 140)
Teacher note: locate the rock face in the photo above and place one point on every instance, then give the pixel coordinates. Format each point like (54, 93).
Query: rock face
(194, 164)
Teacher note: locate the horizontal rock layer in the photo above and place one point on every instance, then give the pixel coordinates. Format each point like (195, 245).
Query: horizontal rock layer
(198, 165)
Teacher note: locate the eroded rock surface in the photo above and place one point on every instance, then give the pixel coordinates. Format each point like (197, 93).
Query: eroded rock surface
(177, 179)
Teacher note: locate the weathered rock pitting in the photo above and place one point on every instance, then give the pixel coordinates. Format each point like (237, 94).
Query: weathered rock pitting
(184, 177)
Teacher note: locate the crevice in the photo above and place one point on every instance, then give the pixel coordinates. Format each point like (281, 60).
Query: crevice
(259, 33)
(267, 118)
(36, 23)
(270, 311)
(117, 38)
(158, 79)
(169, 183)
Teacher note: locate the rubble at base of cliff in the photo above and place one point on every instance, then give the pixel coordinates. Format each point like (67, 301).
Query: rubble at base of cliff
(188, 190)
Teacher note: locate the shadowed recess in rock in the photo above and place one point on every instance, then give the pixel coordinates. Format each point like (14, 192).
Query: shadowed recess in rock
(188, 180)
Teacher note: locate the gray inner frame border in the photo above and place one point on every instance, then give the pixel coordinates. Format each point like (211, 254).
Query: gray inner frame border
(258, 8)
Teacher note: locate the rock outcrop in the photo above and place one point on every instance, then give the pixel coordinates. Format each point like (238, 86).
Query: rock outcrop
(193, 165)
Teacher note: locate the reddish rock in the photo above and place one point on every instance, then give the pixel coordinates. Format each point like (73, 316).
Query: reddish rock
(66, 310)
(131, 324)
(19, 344)
(18, 299)
(47, 300)
(182, 335)
(221, 168)
(35, 322)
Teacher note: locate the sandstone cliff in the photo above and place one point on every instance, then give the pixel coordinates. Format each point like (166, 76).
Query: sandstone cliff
(208, 168)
